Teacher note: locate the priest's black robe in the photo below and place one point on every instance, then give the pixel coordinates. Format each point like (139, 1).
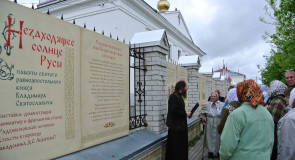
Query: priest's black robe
(177, 140)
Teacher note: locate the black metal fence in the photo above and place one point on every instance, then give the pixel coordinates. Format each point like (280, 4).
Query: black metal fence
(137, 113)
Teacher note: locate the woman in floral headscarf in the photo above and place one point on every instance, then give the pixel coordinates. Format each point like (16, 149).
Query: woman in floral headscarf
(248, 131)
(276, 105)
(233, 103)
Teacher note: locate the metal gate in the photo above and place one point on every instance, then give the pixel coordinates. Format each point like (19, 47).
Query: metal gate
(137, 112)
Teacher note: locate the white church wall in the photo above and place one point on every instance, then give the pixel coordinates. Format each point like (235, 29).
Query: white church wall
(124, 18)
(175, 19)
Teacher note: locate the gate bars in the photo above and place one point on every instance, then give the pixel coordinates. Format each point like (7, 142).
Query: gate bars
(137, 113)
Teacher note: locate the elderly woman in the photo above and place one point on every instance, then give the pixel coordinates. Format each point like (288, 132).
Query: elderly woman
(276, 105)
(248, 131)
(233, 103)
(211, 111)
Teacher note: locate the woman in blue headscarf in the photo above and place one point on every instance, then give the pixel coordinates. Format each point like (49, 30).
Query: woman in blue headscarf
(233, 103)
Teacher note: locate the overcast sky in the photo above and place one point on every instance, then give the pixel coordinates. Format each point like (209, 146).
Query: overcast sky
(225, 30)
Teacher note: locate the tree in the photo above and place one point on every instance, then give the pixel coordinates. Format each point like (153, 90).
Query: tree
(283, 41)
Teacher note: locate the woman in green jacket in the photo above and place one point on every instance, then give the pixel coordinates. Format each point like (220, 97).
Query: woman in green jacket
(248, 131)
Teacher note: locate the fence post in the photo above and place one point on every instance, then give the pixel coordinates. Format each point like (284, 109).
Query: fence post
(156, 88)
(193, 90)
(155, 48)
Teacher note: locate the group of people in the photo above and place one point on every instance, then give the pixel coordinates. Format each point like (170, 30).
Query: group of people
(246, 126)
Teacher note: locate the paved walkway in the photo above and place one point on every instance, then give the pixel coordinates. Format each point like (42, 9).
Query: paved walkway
(195, 152)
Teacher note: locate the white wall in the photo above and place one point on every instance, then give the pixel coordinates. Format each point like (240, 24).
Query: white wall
(122, 18)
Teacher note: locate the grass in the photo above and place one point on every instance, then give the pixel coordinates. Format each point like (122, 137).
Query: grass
(193, 141)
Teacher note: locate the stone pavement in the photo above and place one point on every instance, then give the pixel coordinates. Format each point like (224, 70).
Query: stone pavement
(195, 152)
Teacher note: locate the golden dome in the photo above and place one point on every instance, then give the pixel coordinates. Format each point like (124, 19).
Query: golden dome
(163, 5)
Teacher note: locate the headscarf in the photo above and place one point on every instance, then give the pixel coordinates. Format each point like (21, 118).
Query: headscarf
(217, 108)
(216, 105)
(249, 91)
(217, 96)
(276, 88)
(232, 95)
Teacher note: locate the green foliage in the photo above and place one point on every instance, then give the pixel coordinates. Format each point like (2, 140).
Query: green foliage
(283, 41)
(194, 140)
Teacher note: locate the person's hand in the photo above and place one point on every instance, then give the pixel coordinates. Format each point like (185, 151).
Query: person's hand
(188, 114)
(204, 120)
(200, 116)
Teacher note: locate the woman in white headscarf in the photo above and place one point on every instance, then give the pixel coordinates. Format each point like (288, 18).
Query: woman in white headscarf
(211, 112)
(276, 105)
(233, 103)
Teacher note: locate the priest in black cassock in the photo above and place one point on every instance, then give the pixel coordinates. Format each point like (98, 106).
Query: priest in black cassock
(177, 141)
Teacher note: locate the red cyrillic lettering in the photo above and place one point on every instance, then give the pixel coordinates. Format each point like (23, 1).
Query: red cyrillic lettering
(37, 34)
(34, 47)
(39, 48)
(43, 58)
(13, 31)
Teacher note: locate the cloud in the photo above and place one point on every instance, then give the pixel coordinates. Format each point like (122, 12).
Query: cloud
(235, 27)
(227, 30)
(198, 11)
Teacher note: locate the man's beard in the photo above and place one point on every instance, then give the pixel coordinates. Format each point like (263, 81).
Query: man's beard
(184, 94)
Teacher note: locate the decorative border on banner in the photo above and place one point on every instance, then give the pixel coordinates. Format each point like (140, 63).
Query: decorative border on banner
(6, 71)
(69, 94)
